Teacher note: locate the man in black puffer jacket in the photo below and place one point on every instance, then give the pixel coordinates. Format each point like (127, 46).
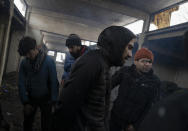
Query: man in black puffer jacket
(138, 91)
(86, 95)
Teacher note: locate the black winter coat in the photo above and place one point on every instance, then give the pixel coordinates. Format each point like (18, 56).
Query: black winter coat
(170, 114)
(137, 93)
(86, 95)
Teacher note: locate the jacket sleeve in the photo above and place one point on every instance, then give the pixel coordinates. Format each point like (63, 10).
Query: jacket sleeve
(65, 75)
(54, 84)
(21, 84)
(83, 76)
(69, 60)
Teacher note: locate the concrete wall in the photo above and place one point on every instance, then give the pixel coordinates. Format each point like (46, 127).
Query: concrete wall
(169, 72)
(57, 47)
(35, 33)
(56, 23)
(13, 56)
(178, 76)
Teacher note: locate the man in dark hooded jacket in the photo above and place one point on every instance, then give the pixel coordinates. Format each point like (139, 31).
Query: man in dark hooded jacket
(138, 91)
(171, 114)
(168, 88)
(86, 95)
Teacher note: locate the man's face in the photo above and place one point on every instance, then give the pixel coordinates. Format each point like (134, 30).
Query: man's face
(74, 51)
(128, 50)
(32, 54)
(143, 65)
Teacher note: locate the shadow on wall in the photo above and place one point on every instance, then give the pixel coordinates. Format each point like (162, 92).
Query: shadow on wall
(167, 51)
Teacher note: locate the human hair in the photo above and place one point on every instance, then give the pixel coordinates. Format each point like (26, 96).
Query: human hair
(25, 45)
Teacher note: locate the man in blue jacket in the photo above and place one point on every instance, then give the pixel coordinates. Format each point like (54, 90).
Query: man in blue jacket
(76, 49)
(38, 85)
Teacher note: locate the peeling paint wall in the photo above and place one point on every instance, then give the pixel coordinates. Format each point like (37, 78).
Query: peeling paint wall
(13, 56)
(165, 48)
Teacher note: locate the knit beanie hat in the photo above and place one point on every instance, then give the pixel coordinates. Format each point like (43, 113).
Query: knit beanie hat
(73, 39)
(143, 53)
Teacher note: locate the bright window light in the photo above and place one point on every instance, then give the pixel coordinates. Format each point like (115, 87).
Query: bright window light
(152, 27)
(93, 43)
(136, 27)
(180, 16)
(60, 57)
(83, 42)
(51, 53)
(21, 6)
(87, 43)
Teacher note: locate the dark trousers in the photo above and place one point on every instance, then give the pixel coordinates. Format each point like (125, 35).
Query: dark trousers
(116, 124)
(46, 117)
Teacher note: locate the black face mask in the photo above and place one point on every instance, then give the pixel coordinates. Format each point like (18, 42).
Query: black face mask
(75, 54)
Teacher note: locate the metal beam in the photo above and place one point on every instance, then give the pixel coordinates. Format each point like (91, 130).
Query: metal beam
(6, 41)
(118, 8)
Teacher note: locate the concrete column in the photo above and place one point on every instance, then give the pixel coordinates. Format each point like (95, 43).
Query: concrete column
(13, 55)
(144, 30)
(2, 32)
(6, 41)
(27, 17)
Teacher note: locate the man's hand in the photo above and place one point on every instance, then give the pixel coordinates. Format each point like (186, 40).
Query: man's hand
(130, 128)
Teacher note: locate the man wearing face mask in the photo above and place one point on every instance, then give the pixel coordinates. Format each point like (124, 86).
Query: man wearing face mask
(138, 91)
(76, 49)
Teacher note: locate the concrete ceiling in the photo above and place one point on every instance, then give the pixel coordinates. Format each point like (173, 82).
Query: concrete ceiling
(88, 10)
(149, 6)
(55, 41)
(95, 14)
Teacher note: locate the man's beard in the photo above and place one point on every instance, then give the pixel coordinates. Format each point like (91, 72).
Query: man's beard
(75, 54)
(146, 70)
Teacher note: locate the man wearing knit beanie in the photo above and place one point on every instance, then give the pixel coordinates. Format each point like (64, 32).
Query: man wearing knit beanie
(76, 49)
(143, 60)
(138, 91)
(171, 113)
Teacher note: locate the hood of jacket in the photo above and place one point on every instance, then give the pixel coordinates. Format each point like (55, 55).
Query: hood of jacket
(113, 40)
